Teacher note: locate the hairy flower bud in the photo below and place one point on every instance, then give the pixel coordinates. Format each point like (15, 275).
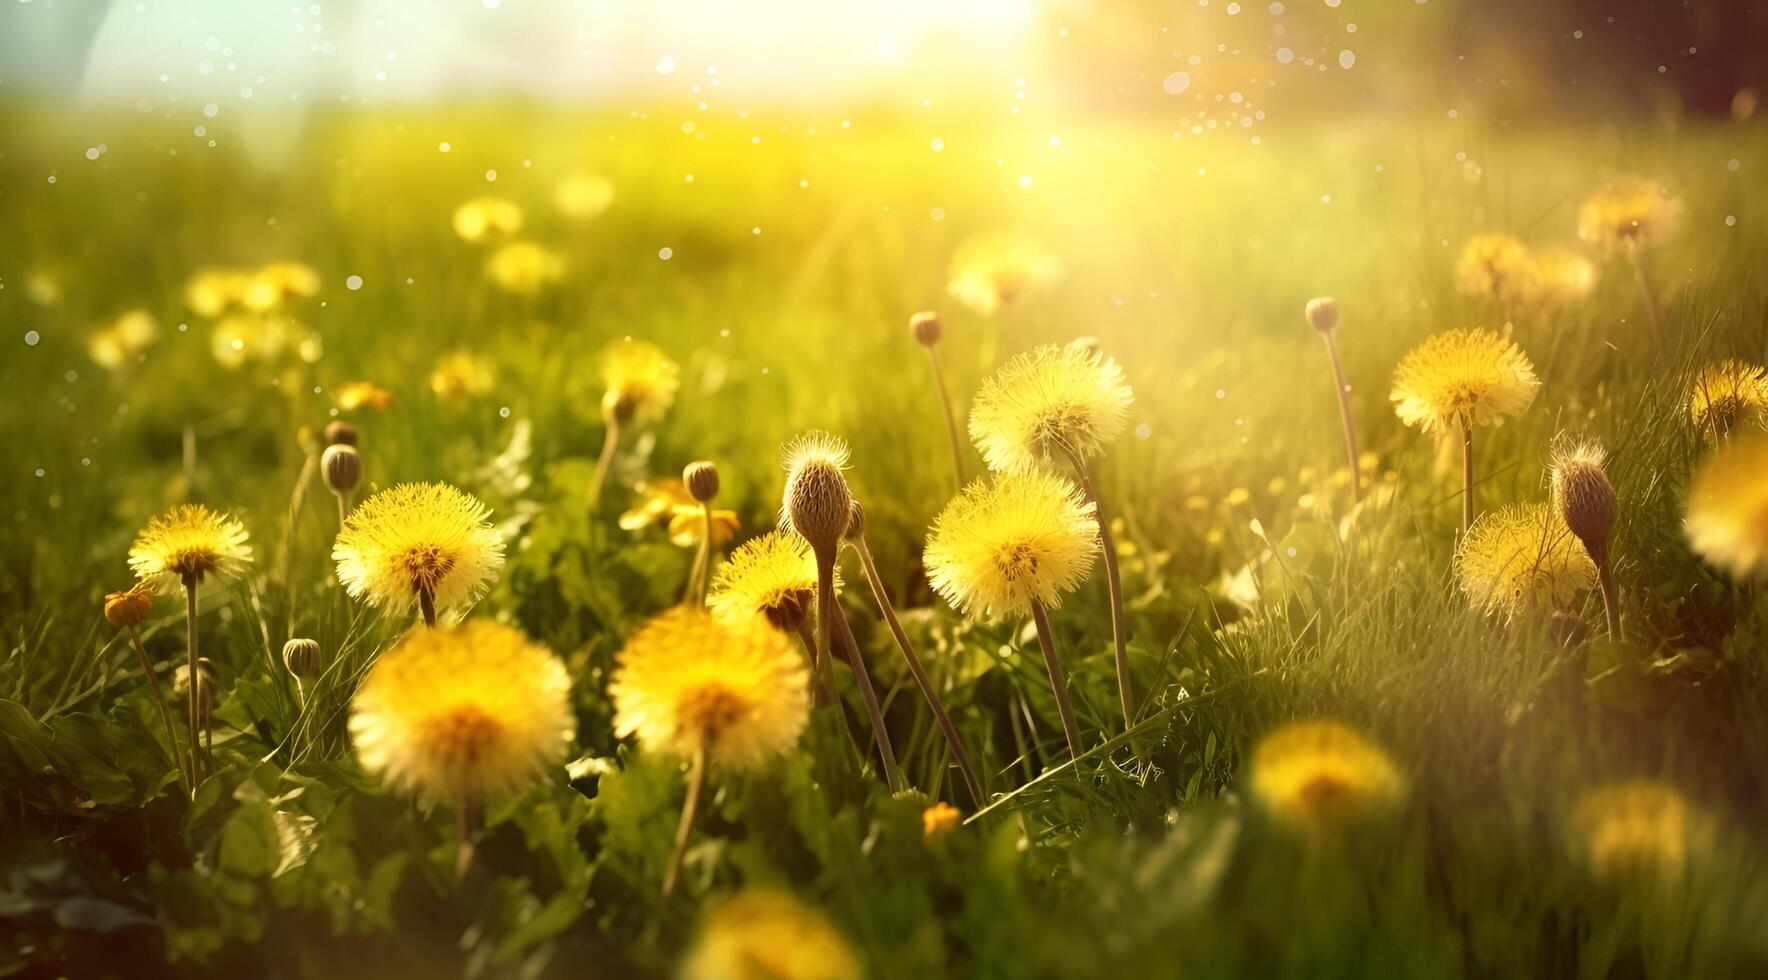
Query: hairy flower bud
(301, 657)
(1322, 312)
(856, 521)
(1584, 496)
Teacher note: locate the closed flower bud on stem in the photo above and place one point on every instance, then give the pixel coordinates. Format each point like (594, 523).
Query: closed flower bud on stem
(924, 326)
(301, 657)
(701, 478)
(1587, 501)
(128, 609)
(1322, 313)
(342, 466)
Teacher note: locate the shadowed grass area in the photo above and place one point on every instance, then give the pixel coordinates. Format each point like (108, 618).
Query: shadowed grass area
(796, 253)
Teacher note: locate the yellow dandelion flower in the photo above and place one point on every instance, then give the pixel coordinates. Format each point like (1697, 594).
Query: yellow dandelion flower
(1000, 545)
(524, 267)
(189, 544)
(1729, 396)
(417, 544)
(640, 380)
(817, 503)
(485, 217)
(211, 291)
(763, 934)
(461, 375)
(687, 683)
(1629, 212)
(940, 818)
(668, 502)
(1634, 828)
(994, 270)
(1562, 275)
(1462, 378)
(582, 196)
(1495, 267)
(1522, 559)
(1323, 774)
(463, 712)
(1047, 403)
(353, 395)
(1727, 522)
(121, 341)
(773, 576)
(266, 289)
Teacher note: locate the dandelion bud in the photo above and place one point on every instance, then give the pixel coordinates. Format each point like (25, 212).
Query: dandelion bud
(925, 328)
(343, 468)
(341, 433)
(817, 500)
(701, 478)
(1584, 496)
(1322, 312)
(856, 521)
(127, 609)
(301, 657)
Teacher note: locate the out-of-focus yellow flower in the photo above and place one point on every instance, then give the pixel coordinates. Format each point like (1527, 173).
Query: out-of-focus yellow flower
(1629, 213)
(994, 270)
(940, 818)
(1563, 276)
(1727, 521)
(1634, 829)
(1461, 378)
(461, 713)
(417, 541)
(1496, 267)
(1048, 403)
(486, 217)
(266, 288)
(1730, 396)
(1323, 774)
(246, 338)
(524, 267)
(687, 683)
(668, 501)
(353, 395)
(1522, 559)
(583, 195)
(762, 934)
(1000, 545)
(1237, 497)
(462, 375)
(211, 291)
(187, 545)
(640, 380)
(121, 341)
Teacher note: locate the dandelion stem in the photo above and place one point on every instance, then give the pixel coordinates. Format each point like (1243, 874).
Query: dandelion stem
(426, 603)
(1344, 414)
(466, 821)
(1646, 293)
(818, 665)
(1611, 599)
(343, 509)
(699, 578)
(1466, 477)
(159, 700)
(193, 679)
(605, 461)
(690, 808)
(297, 503)
(1113, 585)
(926, 683)
(863, 680)
(1058, 679)
(951, 419)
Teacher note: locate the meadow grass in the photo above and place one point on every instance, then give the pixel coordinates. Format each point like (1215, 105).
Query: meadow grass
(1254, 596)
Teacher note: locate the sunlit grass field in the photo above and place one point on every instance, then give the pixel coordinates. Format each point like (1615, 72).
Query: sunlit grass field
(778, 261)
